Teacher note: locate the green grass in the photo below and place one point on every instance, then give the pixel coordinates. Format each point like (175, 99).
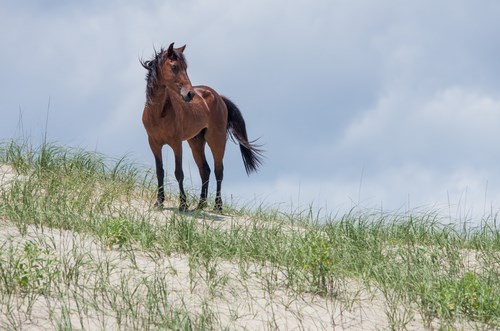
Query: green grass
(416, 263)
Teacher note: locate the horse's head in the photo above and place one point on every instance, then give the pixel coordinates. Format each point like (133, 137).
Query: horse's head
(168, 69)
(174, 72)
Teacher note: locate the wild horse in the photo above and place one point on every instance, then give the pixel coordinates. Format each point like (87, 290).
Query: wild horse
(176, 111)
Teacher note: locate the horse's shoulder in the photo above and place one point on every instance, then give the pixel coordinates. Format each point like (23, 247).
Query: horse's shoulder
(208, 95)
(204, 91)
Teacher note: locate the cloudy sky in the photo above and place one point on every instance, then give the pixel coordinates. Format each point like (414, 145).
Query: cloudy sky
(385, 104)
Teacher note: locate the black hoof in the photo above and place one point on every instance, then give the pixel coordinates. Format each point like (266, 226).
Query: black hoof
(218, 205)
(183, 207)
(158, 205)
(218, 209)
(201, 205)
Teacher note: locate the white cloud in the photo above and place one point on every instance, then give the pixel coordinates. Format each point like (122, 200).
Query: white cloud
(452, 127)
(405, 91)
(410, 151)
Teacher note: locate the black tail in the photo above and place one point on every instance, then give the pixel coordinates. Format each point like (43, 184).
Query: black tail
(251, 153)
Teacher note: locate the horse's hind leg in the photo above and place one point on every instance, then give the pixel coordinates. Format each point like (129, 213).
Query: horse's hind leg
(179, 174)
(197, 145)
(156, 149)
(219, 174)
(217, 144)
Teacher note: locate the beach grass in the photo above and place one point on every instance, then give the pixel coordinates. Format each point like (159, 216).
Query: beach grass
(82, 248)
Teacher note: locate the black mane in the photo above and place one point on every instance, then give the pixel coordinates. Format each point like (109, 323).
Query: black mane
(153, 67)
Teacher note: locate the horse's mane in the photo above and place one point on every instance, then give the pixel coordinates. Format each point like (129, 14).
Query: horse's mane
(153, 66)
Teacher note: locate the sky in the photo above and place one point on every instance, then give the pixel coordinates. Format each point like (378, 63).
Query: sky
(380, 105)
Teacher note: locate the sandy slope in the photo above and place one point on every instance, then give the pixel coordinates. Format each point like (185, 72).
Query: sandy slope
(257, 301)
(252, 297)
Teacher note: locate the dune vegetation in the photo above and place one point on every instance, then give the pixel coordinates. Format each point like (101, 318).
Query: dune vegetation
(81, 247)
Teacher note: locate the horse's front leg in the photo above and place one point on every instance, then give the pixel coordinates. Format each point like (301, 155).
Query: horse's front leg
(160, 174)
(179, 175)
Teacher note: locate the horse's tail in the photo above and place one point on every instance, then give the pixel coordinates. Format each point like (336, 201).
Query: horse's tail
(251, 153)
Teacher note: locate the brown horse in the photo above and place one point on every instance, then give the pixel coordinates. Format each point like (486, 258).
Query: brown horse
(176, 111)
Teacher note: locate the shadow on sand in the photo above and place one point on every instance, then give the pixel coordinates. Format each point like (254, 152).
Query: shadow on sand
(196, 213)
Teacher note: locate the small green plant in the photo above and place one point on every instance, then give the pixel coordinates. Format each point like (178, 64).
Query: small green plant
(318, 261)
(470, 295)
(32, 270)
(116, 231)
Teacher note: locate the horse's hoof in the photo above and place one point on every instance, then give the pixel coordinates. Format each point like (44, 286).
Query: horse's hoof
(218, 205)
(218, 209)
(201, 205)
(158, 205)
(183, 207)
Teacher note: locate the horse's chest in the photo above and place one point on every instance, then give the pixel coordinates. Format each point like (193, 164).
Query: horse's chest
(164, 129)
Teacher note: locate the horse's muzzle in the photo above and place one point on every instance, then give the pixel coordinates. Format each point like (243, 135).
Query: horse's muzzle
(187, 96)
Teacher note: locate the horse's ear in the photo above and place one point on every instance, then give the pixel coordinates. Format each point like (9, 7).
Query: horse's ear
(171, 52)
(181, 49)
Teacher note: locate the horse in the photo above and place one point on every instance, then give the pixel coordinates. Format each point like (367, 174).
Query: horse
(176, 111)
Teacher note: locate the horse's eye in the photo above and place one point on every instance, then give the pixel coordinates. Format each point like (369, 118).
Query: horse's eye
(174, 68)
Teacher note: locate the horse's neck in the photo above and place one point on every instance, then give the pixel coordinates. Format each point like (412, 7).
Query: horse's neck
(158, 95)
(163, 102)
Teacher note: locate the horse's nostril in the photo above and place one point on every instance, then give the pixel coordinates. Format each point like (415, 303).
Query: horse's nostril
(188, 96)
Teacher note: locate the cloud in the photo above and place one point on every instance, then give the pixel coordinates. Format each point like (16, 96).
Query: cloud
(402, 97)
(453, 127)
(410, 151)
